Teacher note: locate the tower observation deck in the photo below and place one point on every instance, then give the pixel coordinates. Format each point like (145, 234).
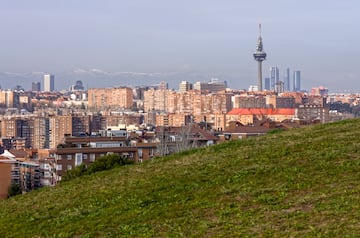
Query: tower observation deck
(259, 56)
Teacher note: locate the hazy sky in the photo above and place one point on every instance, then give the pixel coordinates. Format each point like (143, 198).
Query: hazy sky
(215, 38)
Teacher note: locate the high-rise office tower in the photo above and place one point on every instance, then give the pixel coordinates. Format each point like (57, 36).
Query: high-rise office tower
(267, 83)
(49, 82)
(287, 79)
(274, 77)
(259, 56)
(296, 81)
(35, 87)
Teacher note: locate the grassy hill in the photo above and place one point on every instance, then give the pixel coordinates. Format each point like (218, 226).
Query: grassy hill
(303, 182)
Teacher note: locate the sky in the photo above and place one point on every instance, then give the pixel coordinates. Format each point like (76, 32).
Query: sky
(139, 42)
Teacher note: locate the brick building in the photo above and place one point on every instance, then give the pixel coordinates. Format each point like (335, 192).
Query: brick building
(107, 98)
(78, 150)
(5, 176)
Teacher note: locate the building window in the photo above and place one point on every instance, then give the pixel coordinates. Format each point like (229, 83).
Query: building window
(85, 156)
(140, 153)
(92, 157)
(68, 157)
(78, 159)
(59, 167)
(69, 167)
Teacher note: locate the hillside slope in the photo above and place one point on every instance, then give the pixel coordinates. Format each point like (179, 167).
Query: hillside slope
(303, 182)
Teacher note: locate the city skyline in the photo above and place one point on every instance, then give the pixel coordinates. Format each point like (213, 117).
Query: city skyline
(139, 42)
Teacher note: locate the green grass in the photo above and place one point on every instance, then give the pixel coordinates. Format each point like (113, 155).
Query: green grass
(298, 183)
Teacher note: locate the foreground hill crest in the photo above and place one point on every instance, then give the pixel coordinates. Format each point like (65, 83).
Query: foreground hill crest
(302, 182)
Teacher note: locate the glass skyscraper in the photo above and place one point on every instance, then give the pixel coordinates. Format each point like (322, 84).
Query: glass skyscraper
(287, 79)
(274, 77)
(296, 81)
(267, 84)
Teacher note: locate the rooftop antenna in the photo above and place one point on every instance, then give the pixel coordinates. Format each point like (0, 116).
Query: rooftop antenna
(259, 28)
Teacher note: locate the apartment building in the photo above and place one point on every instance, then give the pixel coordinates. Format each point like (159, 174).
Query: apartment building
(19, 129)
(249, 101)
(185, 86)
(162, 119)
(123, 119)
(248, 116)
(47, 131)
(106, 98)
(16, 162)
(211, 86)
(299, 97)
(311, 113)
(185, 102)
(9, 99)
(13, 143)
(274, 101)
(59, 127)
(47, 170)
(156, 100)
(8, 127)
(97, 122)
(188, 102)
(41, 133)
(263, 101)
(220, 102)
(79, 150)
(216, 121)
(25, 102)
(29, 176)
(80, 124)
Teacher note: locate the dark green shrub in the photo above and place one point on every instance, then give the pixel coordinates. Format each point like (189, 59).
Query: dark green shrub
(103, 163)
(75, 172)
(14, 190)
(275, 131)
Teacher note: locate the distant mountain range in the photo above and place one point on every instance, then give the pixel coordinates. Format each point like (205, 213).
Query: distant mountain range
(100, 78)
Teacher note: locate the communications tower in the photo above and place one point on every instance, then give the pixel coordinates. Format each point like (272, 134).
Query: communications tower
(259, 56)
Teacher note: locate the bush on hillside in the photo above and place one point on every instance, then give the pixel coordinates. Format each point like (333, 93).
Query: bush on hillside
(103, 163)
(275, 131)
(107, 162)
(74, 173)
(14, 190)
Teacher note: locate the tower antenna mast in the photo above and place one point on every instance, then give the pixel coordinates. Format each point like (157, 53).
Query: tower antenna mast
(259, 56)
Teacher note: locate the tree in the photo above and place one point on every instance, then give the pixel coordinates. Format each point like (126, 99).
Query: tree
(182, 140)
(163, 136)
